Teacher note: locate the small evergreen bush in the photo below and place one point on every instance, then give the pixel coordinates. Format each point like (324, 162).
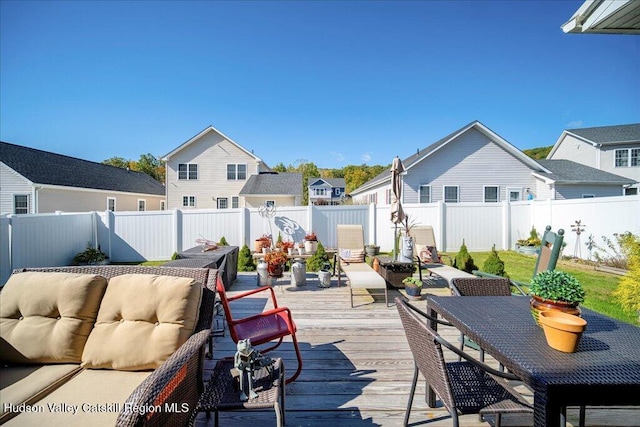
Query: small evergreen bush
(223, 242)
(463, 260)
(318, 260)
(493, 264)
(245, 260)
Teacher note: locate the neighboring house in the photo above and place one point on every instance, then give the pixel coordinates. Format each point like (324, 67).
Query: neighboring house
(327, 191)
(277, 189)
(35, 181)
(474, 164)
(210, 170)
(614, 149)
(605, 17)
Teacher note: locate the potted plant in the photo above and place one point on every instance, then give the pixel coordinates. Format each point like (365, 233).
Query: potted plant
(406, 241)
(372, 250)
(555, 290)
(275, 263)
(90, 256)
(530, 245)
(413, 287)
(263, 241)
(311, 243)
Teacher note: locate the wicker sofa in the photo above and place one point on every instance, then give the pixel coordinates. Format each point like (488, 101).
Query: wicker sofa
(109, 372)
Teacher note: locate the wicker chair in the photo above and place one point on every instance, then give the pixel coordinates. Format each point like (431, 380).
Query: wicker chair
(468, 387)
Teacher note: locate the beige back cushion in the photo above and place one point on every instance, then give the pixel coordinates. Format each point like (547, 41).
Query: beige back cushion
(47, 317)
(143, 319)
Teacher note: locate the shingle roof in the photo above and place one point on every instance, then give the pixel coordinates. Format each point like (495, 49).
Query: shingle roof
(43, 167)
(610, 134)
(334, 182)
(273, 183)
(569, 172)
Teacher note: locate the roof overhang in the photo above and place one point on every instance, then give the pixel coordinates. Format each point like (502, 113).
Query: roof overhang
(203, 133)
(605, 17)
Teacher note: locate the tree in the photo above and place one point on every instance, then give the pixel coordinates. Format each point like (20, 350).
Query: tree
(151, 166)
(318, 259)
(119, 162)
(463, 260)
(493, 264)
(245, 260)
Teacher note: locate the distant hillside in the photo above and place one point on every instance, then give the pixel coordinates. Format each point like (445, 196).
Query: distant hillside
(538, 153)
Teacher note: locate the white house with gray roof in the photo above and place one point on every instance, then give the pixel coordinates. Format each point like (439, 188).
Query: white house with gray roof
(613, 149)
(36, 181)
(327, 191)
(475, 164)
(211, 171)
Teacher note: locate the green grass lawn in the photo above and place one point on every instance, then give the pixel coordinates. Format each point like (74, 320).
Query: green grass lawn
(598, 285)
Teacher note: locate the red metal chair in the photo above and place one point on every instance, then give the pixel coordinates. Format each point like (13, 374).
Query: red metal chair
(261, 328)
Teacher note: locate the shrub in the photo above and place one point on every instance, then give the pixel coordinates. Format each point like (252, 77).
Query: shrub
(317, 261)
(174, 256)
(556, 285)
(463, 260)
(245, 260)
(223, 242)
(628, 290)
(89, 256)
(616, 254)
(493, 264)
(533, 239)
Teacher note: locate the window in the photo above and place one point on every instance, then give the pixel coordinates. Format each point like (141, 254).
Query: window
(319, 191)
(626, 157)
(635, 154)
(236, 171)
(425, 194)
(235, 202)
(142, 205)
(187, 171)
(189, 201)
(223, 203)
(389, 196)
(373, 198)
(515, 194)
(588, 196)
(631, 191)
(270, 203)
(111, 204)
(451, 194)
(491, 194)
(20, 204)
(622, 158)
(163, 205)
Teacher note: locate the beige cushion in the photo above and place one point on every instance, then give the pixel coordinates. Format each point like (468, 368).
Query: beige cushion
(47, 317)
(352, 255)
(28, 384)
(143, 319)
(96, 396)
(360, 275)
(427, 253)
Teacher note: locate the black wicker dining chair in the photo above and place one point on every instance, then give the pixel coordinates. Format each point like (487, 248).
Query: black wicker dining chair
(467, 387)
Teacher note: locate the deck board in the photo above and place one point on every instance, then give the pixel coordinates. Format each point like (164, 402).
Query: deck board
(357, 363)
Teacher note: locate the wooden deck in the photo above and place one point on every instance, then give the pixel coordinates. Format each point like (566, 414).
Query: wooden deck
(357, 364)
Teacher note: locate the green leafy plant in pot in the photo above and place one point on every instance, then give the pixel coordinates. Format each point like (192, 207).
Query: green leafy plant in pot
(90, 256)
(555, 290)
(412, 286)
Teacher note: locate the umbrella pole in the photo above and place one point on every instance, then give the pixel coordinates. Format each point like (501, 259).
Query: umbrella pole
(395, 242)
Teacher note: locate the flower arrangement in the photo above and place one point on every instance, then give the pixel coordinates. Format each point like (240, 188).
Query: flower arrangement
(533, 239)
(263, 241)
(275, 258)
(286, 244)
(311, 237)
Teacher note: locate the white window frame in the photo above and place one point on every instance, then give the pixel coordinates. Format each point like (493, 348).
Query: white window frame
(511, 190)
(142, 205)
(484, 193)
(111, 199)
(631, 157)
(631, 191)
(191, 168)
(444, 193)
(188, 201)
(388, 194)
(236, 172)
(428, 187)
(15, 205)
(163, 205)
(373, 198)
(270, 203)
(338, 191)
(235, 202)
(222, 203)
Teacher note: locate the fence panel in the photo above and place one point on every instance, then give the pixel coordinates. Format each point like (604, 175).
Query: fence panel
(479, 225)
(211, 224)
(291, 222)
(5, 249)
(326, 219)
(520, 222)
(141, 236)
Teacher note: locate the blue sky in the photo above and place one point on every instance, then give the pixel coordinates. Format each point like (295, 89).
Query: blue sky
(334, 83)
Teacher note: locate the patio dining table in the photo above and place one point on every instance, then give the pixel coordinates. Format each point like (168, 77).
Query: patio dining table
(605, 369)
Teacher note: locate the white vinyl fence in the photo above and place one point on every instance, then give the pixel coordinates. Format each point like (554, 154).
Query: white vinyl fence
(53, 239)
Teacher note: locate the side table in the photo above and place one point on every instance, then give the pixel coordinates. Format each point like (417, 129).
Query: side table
(395, 271)
(222, 392)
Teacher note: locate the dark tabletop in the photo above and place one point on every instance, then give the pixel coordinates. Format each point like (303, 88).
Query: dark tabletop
(224, 259)
(605, 369)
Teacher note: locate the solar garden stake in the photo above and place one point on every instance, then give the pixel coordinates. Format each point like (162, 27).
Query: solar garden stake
(578, 228)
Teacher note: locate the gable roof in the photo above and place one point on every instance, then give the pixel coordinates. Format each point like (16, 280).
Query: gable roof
(274, 184)
(602, 135)
(333, 182)
(605, 16)
(570, 172)
(204, 132)
(419, 156)
(46, 168)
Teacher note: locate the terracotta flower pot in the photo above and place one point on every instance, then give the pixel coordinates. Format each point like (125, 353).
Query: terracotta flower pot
(275, 270)
(540, 304)
(562, 330)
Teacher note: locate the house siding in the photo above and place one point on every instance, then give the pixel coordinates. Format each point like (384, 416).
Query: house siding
(579, 151)
(12, 183)
(607, 162)
(59, 199)
(471, 162)
(563, 192)
(212, 153)
(257, 201)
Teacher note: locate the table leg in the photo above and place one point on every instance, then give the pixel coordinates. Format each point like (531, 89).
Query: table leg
(545, 413)
(431, 395)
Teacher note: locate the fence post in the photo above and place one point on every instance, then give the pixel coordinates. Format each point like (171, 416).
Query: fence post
(245, 223)
(506, 224)
(177, 230)
(110, 216)
(373, 226)
(441, 240)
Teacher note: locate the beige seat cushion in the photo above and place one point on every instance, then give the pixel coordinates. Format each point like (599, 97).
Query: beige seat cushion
(360, 275)
(143, 319)
(96, 396)
(47, 317)
(27, 384)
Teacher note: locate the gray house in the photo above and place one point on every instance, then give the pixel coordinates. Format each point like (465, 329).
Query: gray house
(271, 188)
(327, 191)
(474, 164)
(36, 181)
(613, 149)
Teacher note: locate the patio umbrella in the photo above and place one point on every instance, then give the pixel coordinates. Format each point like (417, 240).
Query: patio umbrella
(397, 214)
